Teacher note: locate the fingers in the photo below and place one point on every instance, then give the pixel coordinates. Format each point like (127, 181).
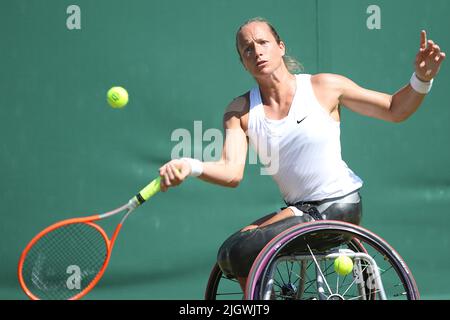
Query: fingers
(436, 49)
(429, 58)
(174, 174)
(163, 176)
(429, 50)
(438, 55)
(423, 40)
(435, 53)
(177, 173)
(171, 174)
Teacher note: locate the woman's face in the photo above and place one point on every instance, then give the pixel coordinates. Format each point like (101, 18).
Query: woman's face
(260, 52)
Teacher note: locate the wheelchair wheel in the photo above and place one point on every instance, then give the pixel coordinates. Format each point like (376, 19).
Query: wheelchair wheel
(298, 264)
(220, 287)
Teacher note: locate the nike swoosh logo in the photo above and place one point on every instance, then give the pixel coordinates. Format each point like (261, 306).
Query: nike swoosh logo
(298, 121)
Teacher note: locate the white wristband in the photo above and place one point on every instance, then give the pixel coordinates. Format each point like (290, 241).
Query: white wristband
(420, 86)
(196, 166)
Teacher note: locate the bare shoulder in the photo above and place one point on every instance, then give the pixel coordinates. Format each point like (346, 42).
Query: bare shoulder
(328, 80)
(239, 106)
(328, 89)
(236, 113)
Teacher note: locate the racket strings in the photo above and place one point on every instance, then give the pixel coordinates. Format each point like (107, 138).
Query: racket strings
(64, 261)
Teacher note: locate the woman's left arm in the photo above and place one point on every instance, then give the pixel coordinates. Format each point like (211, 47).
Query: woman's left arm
(403, 103)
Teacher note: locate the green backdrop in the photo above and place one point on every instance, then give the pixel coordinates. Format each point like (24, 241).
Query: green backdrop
(65, 153)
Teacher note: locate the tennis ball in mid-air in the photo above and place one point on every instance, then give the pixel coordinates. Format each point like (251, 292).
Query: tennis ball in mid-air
(343, 265)
(117, 97)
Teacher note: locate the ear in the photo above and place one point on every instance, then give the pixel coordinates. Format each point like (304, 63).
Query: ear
(282, 48)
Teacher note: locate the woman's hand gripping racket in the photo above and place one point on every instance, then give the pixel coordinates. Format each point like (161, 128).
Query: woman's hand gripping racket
(68, 258)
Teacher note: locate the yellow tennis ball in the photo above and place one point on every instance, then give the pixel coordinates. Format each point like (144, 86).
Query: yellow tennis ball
(343, 265)
(117, 97)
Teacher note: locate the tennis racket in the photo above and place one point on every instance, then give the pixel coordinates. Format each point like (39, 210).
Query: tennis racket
(67, 259)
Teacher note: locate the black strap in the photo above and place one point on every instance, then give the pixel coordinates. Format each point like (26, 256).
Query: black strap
(302, 203)
(311, 210)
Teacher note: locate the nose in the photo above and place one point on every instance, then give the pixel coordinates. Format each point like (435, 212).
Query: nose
(258, 51)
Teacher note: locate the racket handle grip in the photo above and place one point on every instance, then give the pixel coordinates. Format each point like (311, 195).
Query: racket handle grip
(146, 193)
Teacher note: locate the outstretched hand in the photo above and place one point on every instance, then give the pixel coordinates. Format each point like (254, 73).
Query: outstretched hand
(428, 59)
(173, 173)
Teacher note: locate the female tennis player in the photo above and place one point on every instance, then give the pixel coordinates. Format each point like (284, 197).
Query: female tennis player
(296, 117)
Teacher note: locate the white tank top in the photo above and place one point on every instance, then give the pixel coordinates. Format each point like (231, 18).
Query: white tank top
(302, 152)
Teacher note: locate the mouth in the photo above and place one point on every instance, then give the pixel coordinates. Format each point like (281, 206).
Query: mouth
(261, 63)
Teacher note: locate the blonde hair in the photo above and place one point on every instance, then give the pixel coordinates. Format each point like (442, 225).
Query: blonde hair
(290, 62)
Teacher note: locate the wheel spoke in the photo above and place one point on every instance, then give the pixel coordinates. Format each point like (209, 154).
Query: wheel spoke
(318, 267)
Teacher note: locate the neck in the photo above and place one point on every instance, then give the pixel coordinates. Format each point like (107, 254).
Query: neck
(276, 86)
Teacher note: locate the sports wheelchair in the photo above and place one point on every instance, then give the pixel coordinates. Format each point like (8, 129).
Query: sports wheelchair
(298, 264)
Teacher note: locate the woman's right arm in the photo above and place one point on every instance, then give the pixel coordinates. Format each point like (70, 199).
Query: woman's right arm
(229, 170)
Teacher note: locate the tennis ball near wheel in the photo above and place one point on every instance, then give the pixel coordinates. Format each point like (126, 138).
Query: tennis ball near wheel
(343, 265)
(117, 97)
